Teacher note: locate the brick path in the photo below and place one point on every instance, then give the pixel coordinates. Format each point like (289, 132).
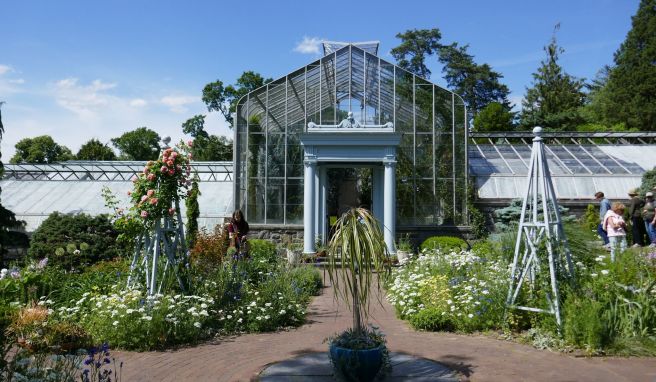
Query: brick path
(478, 358)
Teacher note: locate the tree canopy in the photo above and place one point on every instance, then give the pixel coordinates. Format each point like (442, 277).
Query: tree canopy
(224, 99)
(138, 144)
(206, 147)
(95, 150)
(630, 93)
(494, 117)
(555, 98)
(416, 45)
(476, 83)
(41, 149)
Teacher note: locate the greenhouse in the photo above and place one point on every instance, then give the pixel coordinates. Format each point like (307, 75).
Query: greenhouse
(347, 116)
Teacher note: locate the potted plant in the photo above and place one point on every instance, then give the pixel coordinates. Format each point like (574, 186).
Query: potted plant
(356, 251)
(404, 249)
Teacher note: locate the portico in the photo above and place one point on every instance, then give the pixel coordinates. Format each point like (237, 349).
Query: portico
(345, 146)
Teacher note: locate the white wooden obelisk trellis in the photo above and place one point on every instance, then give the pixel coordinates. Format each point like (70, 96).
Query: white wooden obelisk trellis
(160, 250)
(540, 229)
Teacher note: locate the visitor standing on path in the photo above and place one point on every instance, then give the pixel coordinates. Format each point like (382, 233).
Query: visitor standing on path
(615, 226)
(604, 206)
(637, 224)
(649, 216)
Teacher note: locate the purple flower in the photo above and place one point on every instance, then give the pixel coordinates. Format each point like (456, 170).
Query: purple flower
(42, 264)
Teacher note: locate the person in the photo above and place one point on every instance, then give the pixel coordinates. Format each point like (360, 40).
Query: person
(237, 230)
(649, 216)
(635, 213)
(615, 227)
(604, 206)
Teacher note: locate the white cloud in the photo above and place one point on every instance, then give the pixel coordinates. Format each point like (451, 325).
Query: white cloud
(178, 104)
(84, 100)
(17, 81)
(309, 45)
(5, 69)
(138, 102)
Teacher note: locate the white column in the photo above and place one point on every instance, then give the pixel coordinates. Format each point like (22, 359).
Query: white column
(317, 201)
(323, 178)
(378, 193)
(389, 220)
(308, 205)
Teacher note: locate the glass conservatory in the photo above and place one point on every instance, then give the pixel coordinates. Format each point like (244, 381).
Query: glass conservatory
(359, 103)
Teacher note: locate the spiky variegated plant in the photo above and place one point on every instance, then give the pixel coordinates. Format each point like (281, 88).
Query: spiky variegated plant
(356, 251)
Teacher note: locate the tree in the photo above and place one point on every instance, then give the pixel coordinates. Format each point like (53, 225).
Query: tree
(631, 87)
(494, 117)
(193, 212)
(556, 97)
(139, 144)
(207, 147)
(95, 150)
(477, 84)
(416, 45)
(224, 99)
(41, 149)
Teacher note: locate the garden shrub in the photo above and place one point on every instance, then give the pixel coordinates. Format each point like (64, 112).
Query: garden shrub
(648, 181)
(74, 240)
(444, 243)
(591, 217)
(209, 249)
(307, 279)
(583, 325)
(432, 319)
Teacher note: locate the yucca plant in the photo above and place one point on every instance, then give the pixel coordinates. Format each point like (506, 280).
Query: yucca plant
(356, 251)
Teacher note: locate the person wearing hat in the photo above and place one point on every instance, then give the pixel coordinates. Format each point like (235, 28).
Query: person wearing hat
(637, 223)
(649, 216)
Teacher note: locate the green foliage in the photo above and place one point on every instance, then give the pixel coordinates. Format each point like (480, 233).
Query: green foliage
(207, 147)
(444, 243)
(307, 278)
(416, 45)
(477, 84)
(648, 182)
(193, 212)
(41, 149)
(60, 231)
(627, 96)
(591, 217)
(95, 150)
(494, 117)
(357, 249)
(209, 250)
(555, 98)
(138, 144)
(583, 326)
(224, 99)
(432, 319)
(507, 217)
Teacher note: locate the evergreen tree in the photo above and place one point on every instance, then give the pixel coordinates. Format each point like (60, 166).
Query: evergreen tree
(477, 84)
(95, 150)
(494, 117)
(556, 97)
(416, 45)
(193, 212)
(631, 88)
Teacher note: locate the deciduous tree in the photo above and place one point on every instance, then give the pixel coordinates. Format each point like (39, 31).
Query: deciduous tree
(95, 150)
(494, 117)
(139, 144)
(41, 149)
(207, 147)
(224, 99)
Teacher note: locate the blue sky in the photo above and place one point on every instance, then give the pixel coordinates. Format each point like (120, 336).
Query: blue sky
(89, 69)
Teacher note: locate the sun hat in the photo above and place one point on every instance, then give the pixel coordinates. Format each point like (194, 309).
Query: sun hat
(633, 191)
(649, 194)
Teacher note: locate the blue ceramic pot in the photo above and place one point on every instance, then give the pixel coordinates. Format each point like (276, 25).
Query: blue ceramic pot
(357, 365)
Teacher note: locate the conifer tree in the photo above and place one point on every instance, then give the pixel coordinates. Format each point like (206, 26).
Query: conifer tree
(556, 97)
(631, 87)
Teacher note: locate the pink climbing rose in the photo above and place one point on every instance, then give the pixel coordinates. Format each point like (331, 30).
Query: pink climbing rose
(150, 193)
(144, 214)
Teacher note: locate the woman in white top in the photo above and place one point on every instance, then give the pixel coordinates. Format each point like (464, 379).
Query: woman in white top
(615, 226)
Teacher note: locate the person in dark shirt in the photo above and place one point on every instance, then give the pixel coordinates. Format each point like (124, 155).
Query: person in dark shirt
(649, 216)
(237, 230)
(637, 223)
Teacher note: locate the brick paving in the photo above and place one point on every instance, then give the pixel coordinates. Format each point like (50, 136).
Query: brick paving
(477, 358)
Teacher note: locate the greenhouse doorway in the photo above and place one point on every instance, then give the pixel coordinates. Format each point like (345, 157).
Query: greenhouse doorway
(347, 187)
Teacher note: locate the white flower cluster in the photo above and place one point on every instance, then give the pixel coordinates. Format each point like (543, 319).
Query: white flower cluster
(273, 310)
(461, 281)
(131, 306)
